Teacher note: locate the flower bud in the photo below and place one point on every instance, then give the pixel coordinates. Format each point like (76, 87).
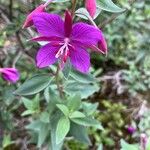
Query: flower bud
(131, 129)
(91, 7)
(10, 74)
(29, 22)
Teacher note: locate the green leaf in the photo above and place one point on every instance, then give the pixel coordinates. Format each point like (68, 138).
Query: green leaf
(88, 122)
(89, 108)
(32, 106)
(63, 127)
(27, 112)
(8, 95)
(126, 146)
(63, 108)
(82, 77)
(77, 114)
(53, 122)
(80, 133)
(44, 117)
(27, 103)
(47, 94)
(7, 141)
(84, 14)
(74, 102)
(85, 90)
(34, 85)
(148, 145)
(100, 147)
(51, 95)
(34, 125)
(98, 11)
(42, 134)
(108, 5)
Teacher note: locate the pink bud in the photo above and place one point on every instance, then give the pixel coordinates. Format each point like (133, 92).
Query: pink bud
(29, 22)
(131, 129)
(10, 74)
(91, 7)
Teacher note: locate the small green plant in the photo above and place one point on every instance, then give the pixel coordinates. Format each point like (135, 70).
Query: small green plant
(113, 121)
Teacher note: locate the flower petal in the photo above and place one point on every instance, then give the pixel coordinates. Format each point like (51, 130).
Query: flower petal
(46, 55)
(68, 24)
(85, 34)
(80, 59)
(10, 74)
(49, 24)
(46, 39)
(102, 44)
(96, 49)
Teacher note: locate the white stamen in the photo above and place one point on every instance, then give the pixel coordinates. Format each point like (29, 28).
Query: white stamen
(64, 49)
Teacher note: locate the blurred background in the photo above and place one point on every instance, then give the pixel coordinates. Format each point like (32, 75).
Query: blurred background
(123, 75)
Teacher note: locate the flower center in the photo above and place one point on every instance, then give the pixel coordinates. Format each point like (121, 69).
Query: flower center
(64, 50)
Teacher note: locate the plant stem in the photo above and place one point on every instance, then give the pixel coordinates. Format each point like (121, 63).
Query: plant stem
(74, 3)
(47, 3)
(10, 9)
(58, 83)
(90, 19)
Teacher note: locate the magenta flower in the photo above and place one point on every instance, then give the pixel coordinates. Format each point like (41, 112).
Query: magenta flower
(66, 40)
(91, 7)
(10, 74)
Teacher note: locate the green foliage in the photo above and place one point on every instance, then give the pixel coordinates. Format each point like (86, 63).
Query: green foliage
(64, 109)
(130, 52)
(62, 129)
(34, 85)
(108, 5)
(74, 103)
(82, 78)
(75, 145)
(144, 122)
(148, 144)
(126, 146)
(53, 120)
(63, 120)
(112, 119)
(32, 106)
(87, 122)
(7, 141)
